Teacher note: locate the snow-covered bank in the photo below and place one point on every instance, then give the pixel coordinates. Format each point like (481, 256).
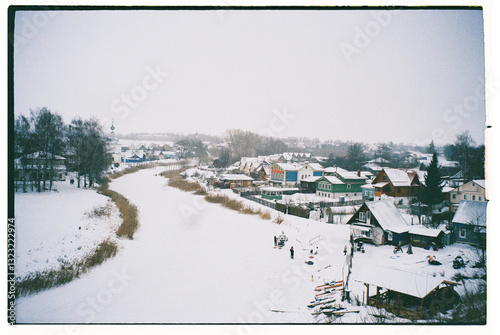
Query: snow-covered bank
(57, 227)
(196, 262)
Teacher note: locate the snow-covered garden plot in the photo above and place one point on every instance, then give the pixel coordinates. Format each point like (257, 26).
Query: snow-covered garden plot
(58, 227)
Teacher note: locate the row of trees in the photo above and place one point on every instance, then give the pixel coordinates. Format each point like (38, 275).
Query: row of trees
(42, 137)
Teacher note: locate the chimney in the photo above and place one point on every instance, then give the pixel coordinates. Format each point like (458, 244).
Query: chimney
(359, 173)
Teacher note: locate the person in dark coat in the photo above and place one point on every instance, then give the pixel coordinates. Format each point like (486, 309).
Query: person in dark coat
(291, 252)
(345, 250)
(275, 241)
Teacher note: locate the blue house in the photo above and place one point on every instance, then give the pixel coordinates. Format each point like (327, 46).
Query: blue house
(469, 222)
(133, 159)
(368, 192)
(284, 173)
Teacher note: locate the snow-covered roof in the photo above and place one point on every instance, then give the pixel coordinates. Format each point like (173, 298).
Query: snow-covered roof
(447, 189)
(350, 175)
(311, 179)
(379, 160)
(38, 154)
(372, 166)
(290, 166)
(334, 169)
(333, 179)
(398, 177)
(471, 212)
(424, 231)
(368, 186)
(410, 283)
(235, 177)
(388, 216)
(315, 166)
(480, 182)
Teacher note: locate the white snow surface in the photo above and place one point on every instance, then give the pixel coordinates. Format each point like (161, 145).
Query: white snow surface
(53, 227)
(194, 262)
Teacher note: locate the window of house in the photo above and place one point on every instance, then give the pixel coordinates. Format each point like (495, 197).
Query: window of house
(465, 196)
(384, 178)
(473, 197)
(368, 215)
(399, 189)
(362, 216)
(463, 233)
(479, 198)
(454, 196)
(389, 236)
(349, 186)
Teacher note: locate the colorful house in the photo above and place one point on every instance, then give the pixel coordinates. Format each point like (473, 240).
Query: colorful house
(276, 193)
(379, 222)
(284, 173)
(398, 182)
(235, 180)
(334, 188)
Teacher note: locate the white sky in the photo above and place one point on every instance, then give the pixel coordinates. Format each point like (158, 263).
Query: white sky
(416, 79)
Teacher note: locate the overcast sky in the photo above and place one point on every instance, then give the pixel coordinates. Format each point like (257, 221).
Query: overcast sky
(403, 76)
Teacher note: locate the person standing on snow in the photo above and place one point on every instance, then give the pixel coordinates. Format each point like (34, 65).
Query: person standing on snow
(275, 241)
(291, 252)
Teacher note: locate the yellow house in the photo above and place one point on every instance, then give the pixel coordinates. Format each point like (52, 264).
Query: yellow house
(474, 190)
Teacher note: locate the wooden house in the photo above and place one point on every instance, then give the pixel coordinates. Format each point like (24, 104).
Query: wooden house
(237, 180)
(309, 185)
(398, 182)
(469, 222)
(474, 190)
(379, 222)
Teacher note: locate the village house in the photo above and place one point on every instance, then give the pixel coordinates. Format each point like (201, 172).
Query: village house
(398, 182)
(310, 170)
(284, 173)
(237, 180)
(26, 167)
(474, 190)
(380, 223)
(368, 192)
(309, 185)
(469, 222)
(340, 186)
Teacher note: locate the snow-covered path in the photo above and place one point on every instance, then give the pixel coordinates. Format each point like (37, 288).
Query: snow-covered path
(193, 262)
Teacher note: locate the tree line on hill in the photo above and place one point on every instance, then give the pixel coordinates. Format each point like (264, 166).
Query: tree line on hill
(42, 138)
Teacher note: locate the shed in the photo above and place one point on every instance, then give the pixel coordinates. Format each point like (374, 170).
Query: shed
(407, 294)
(422, 236)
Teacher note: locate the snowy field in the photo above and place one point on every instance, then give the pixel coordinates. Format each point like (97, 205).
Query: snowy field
(196, 262)
(55, 227)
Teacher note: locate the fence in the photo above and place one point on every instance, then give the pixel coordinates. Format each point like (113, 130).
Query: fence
(258, 200)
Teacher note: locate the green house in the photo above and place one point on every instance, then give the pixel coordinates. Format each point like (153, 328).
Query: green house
(334, 187)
